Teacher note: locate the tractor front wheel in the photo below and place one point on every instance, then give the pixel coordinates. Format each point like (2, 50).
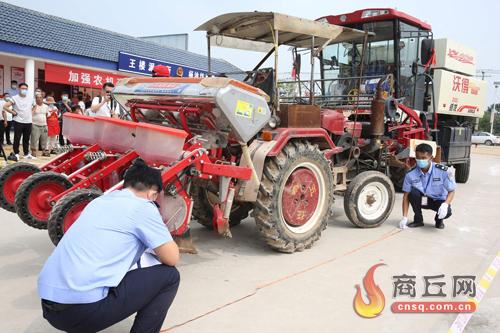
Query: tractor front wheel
(295, 197)
(34, 195)
(67, 210)
(369, 199)
(11, 178)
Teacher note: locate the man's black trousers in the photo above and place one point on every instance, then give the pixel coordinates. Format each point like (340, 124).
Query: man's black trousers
(7, 132)
(2, 130)
(415, 197)
(61, 137)
(22, 130)
(149, 292)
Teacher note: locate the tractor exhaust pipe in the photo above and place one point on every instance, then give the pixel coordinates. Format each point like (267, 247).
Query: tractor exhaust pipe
(377, 112)
(377, 129)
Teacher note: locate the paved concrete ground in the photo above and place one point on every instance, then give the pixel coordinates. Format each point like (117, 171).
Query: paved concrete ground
(239, 285)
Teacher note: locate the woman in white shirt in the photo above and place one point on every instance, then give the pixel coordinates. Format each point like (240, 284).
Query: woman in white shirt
(39, 129)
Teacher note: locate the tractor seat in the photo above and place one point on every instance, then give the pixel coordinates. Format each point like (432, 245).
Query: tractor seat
(264, 80)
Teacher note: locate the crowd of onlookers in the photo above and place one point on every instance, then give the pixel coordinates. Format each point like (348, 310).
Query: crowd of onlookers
(37, 119)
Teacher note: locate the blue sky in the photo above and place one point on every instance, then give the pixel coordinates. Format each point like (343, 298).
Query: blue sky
(474, 23)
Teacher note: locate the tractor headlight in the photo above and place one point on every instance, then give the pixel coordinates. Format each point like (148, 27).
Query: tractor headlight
(273, 122)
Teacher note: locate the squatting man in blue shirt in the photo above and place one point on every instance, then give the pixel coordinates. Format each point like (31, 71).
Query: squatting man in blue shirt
(427, 186)
(86, 284)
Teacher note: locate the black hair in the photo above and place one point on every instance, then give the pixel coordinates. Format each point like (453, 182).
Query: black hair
(108, 84)
(22, 84)
(424, 148)
(64, 93)
(13, 81)
(74, 107)
(141, 177)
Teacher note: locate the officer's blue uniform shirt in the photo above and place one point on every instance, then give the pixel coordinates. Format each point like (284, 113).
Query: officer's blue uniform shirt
(435, 183)
(100, 247)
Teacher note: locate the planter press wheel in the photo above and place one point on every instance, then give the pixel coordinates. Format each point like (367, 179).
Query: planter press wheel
(67, 210)
(369, 199)
(203, 200)
(11, 178)
(33, 197)
(295, 197)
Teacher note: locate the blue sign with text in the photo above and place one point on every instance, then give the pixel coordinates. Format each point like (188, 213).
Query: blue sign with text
(141, 65)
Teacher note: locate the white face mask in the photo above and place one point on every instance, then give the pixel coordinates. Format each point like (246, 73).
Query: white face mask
(13, 86)
(23, 91)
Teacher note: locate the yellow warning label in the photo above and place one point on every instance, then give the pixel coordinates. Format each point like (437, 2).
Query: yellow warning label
(260, 109)
(244, 109)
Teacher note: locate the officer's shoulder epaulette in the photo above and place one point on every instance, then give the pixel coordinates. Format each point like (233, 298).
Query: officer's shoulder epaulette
(442, 167)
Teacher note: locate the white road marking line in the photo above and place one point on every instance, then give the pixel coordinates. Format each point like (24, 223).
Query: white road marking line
(463, 318)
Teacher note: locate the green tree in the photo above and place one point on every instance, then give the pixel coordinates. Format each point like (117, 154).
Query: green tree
(485, 124)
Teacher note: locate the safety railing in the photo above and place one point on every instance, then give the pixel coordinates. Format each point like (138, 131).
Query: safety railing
(338, 92)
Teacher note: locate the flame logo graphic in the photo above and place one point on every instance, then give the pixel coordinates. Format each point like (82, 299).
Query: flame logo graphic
(376, 299)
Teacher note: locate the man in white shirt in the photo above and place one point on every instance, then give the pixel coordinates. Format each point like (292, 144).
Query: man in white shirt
(22, 106)
(104, 106)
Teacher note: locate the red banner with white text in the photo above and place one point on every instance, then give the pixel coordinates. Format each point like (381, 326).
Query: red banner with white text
(78, 76)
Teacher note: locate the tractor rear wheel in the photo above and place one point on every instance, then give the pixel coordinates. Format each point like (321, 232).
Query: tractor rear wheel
(33, 197)
(369, 199)
(295, 197)
(203, 200)
(462, 172)
(11, 178)
(67, 210)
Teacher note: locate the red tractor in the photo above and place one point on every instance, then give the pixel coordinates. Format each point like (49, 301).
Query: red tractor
(289, 147)
(230, 147)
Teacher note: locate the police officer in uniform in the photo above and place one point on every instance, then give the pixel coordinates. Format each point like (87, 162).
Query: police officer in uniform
(427, 186)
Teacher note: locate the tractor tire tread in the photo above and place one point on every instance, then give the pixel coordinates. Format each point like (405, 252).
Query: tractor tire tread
(22, 194)
(203, 213)
(55, 223)
(462, 172)
(265, 212)
(5, 172)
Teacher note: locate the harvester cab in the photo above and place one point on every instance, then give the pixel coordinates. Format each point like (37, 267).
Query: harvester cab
(433, 91)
